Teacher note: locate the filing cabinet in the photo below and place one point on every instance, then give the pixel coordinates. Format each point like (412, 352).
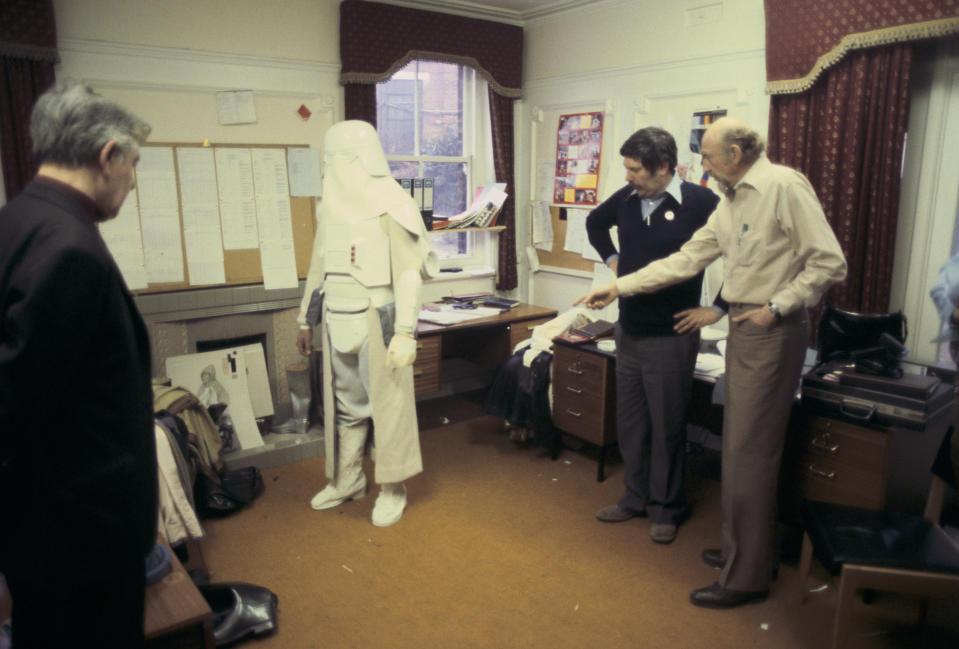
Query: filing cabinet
(584, 395)
(849, 463)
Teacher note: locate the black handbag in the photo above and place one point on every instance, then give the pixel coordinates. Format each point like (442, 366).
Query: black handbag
(874, 341)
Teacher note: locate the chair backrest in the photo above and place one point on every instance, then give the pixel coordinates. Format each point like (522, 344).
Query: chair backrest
(943, 474)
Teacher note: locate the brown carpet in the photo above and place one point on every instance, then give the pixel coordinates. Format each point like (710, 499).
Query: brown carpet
(499, 549)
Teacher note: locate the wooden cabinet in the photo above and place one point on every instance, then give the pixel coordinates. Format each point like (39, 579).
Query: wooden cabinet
(584, 395)
(843, 462)
(426, 368)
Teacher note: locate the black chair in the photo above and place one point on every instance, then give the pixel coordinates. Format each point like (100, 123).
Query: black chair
(882, 550)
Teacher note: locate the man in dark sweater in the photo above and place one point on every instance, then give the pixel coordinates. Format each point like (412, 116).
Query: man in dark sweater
(655, 214)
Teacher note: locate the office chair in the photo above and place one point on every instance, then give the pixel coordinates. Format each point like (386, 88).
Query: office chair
(881, 550)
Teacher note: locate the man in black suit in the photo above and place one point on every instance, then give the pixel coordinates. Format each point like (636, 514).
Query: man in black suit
(77, 449)
(655, 213)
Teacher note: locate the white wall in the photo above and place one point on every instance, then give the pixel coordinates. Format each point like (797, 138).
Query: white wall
(643, 64)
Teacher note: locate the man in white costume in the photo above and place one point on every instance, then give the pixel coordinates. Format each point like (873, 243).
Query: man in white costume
(370, 256)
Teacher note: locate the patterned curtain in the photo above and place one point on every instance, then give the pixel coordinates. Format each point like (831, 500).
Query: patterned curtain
(501, 116)
(378, 39)
(28, 52)
(839, 75)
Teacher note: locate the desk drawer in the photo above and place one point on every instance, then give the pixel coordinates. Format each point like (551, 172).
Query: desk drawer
(824, 478)
(426, 369)
(580, 416)
(845, 443)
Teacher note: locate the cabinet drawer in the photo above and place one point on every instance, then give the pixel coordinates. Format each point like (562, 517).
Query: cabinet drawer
(583, 417)
(825, 478)
(426, 369)
(851, 445)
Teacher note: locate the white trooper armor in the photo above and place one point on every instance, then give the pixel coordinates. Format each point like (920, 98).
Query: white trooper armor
(370, 255)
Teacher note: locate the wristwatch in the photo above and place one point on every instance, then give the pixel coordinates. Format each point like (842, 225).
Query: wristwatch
(775, 311)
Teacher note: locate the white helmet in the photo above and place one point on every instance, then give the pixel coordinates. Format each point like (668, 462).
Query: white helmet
(360, 138)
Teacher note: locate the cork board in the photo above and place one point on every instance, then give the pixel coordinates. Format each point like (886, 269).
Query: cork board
(559, 257)
(242, 266)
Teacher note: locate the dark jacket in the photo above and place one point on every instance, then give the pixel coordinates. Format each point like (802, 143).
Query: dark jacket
(671, 225)
(78, 481)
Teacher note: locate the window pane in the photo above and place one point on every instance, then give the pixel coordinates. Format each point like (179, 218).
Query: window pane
(441, 113)
(450, 245)
(395, 112)
(404, 169)
(449, 186)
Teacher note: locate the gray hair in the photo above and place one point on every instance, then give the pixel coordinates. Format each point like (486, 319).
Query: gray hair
(71, 123)
(748, 141)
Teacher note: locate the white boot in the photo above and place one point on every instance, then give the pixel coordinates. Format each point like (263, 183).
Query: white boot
(389, 504)
(350, 481)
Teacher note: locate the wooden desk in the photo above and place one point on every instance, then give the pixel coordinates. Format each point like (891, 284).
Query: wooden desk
(485, 341)
(176, 615)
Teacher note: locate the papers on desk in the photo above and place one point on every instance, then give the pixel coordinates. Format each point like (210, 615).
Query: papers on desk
(446, 314)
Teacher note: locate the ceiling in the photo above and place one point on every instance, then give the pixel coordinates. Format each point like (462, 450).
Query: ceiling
(515, 11)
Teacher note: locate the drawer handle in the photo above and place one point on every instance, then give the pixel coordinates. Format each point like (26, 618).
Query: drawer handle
(575, 413)
(828, 475)
(574, 390)
(574, 369)
(417, 373)
(822, 443)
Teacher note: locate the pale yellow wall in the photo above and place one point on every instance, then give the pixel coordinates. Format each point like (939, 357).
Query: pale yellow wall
(636, 33)
(304, 30)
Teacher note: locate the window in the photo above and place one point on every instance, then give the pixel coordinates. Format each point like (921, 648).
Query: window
(430, 124)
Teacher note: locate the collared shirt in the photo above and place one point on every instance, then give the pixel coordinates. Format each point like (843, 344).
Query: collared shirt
(774, 236)
(649, 205)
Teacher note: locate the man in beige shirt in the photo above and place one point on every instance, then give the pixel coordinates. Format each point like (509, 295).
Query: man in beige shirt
(781, 256)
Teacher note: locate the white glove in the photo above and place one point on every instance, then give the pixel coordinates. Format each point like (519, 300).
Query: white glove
(402, 351)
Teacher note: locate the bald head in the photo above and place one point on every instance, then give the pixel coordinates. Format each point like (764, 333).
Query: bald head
(729, 149)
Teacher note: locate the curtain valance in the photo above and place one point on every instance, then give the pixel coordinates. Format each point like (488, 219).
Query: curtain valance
(28, 30)
(378, 39)
(806, 37)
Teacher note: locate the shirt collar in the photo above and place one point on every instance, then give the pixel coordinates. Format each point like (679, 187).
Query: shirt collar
(757, 175)
(86, 203)
(674, 189)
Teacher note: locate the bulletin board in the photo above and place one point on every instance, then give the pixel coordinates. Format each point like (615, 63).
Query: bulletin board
(243, 266)
(559, 257)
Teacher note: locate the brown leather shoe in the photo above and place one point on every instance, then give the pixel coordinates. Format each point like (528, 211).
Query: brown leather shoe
(616, 514)
(716, 596)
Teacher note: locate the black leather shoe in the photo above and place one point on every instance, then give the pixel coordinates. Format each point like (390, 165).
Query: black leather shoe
(239, 610)
(714, 557)
(716, 596)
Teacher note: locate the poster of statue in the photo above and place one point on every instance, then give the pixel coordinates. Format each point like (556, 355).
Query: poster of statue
(219, 380)
(579, 145)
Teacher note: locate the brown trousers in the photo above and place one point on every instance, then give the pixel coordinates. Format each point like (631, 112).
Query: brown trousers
(763, 366)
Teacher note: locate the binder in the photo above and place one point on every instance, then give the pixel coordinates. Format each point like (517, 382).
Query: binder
(428, 202)
(418, 199)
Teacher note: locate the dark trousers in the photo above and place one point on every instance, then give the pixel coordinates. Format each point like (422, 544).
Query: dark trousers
(107, 614)
(653, 382)
(763, 365)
